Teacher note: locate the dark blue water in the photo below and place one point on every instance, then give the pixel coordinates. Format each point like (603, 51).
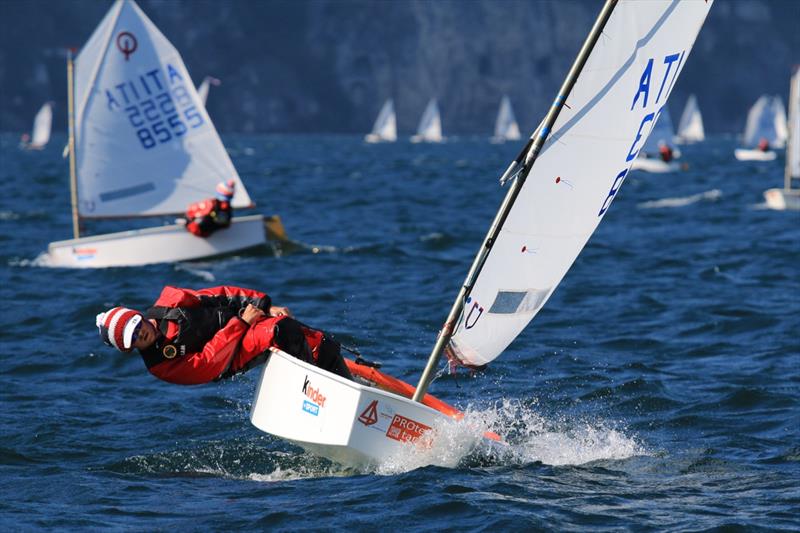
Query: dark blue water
(659, 388)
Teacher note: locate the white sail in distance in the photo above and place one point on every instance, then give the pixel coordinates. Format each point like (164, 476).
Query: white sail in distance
(793, 144)
(42, 125)
(608, 115)
(430, 125)
(506, 127)
(385, 127)
(690, 127)
(766, 120)
(205, 85)
(144, 144)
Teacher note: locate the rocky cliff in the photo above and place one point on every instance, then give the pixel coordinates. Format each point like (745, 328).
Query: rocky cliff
(328, 65)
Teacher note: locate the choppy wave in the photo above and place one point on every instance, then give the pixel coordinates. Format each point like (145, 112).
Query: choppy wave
(682, 201)
(527, 437)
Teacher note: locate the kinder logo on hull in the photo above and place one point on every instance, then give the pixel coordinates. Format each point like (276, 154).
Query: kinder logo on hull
(405, 430)
(313, 394)
(84, 253)
(316, 400)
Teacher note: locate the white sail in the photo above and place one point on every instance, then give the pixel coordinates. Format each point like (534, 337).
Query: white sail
(766, 120)
(662, 132)
(385, 128)
(793, 144)
(42, 125)
(505, 127)
(205, 85)
(144, 142)
(690, 127)
(430, 125)
(781, 129)
(608, 114)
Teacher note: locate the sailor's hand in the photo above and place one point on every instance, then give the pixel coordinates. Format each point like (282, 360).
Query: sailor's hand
(251, 313)
(276, 310)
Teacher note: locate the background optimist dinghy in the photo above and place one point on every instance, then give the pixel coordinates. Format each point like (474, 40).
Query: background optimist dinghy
(561, 185)
(385, 128)
(142, 145)
(789, 196)
(766, 120)
(42, 125)
(430, 125)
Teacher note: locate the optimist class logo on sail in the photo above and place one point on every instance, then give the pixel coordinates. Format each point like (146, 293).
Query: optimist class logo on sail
(668, 78)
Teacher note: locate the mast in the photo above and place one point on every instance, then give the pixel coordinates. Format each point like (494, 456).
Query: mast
(73, 181)
(527, 157)
(793, 99)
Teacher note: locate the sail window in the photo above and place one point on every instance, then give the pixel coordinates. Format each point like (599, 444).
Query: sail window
(512, 302)
(128, 191)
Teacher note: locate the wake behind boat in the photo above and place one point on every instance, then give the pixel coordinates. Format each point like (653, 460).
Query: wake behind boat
(562, 184)
(142, 145)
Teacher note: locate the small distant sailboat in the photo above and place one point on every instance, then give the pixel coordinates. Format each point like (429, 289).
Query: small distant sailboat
(690, 127)
(766, 129)
(142, 145)
(385, 128)
(658, 154)
(202, 90)
(430, 125)
(42, 125)
(505, 127)
(789, 196)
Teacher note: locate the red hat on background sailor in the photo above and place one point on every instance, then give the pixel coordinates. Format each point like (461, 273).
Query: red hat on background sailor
(225, 190)
(119, 326)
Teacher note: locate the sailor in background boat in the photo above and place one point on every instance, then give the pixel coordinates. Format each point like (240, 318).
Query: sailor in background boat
(763, 144)
(665, 152)
(207, 216)
(191, 336)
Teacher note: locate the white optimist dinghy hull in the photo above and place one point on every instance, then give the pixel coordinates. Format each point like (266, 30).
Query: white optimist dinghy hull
(333, 417)
(656, 166)
(160, 244)
(782, 199)
(742, 154)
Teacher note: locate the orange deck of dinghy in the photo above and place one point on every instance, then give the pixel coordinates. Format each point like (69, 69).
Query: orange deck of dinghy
(401, 388)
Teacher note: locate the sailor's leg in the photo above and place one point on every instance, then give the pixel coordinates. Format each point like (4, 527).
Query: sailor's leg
(330, 358)
(289, 338)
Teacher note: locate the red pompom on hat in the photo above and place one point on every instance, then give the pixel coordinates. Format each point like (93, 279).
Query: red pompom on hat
(117, 327)
(225, 189)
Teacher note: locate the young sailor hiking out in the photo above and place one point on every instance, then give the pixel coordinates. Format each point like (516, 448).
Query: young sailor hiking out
(190, 336)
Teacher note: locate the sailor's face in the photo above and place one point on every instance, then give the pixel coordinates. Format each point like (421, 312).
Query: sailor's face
(146, 337)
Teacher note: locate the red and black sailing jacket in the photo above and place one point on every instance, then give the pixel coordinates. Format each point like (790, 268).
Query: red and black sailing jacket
(202, 335)
(206, 216)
